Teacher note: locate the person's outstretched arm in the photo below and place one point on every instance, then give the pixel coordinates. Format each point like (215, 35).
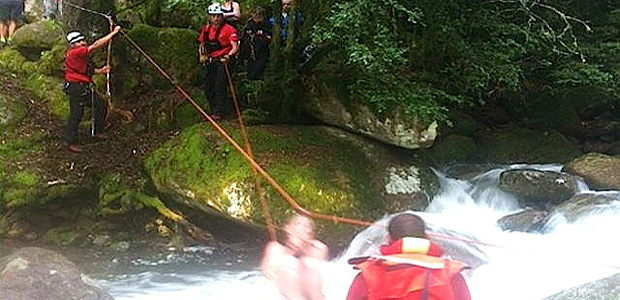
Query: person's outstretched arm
(104, 40)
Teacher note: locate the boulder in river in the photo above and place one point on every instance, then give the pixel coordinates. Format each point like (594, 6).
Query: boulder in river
(38, 274)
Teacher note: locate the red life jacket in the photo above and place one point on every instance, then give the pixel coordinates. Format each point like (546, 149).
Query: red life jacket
(410, 276)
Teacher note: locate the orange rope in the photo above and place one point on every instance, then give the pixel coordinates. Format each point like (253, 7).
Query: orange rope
(259, 187)
(253, 163)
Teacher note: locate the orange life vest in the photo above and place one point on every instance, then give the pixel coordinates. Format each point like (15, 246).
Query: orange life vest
(410, 276)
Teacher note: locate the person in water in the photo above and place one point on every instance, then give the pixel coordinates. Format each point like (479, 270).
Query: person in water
(410, 268)
(295, 265)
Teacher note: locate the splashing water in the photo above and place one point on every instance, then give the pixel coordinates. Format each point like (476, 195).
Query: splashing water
(506, 265)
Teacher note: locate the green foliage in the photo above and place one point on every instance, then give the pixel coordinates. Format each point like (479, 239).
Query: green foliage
(25, 178)
(173, 49)
(11, 60)
(50, 89)
(51, 62)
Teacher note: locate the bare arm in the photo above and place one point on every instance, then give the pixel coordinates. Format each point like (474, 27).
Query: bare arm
(102, 70)
(268, 262)
(233, 51)
(235, 15)
(104, 40)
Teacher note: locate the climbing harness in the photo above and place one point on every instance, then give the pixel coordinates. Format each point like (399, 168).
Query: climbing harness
(128, 116)
(248, 155)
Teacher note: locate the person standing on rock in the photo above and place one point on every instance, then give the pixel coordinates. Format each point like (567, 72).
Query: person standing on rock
(79, 70)
(10, 12)
(218, 45)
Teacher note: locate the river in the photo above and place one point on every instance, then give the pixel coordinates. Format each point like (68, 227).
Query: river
(507, 265)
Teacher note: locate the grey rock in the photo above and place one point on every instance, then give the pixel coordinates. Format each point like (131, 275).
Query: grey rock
(541, 187)
(528, 220)
(603, 289)
(38, 274)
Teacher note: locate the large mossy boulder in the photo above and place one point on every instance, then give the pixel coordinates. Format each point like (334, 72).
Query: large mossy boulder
(396, 127)
(324, 169)
(173, 49)
(11, 111)
(526, 146)
(600, 171)
(37, 274)
(42, 77)
(32, 39)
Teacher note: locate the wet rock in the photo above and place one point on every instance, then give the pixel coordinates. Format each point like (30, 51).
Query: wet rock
(584, 204)
(603, 289)
(540, 187)
(122, 246)
(39, 274)
(600, 171)
(529, 220)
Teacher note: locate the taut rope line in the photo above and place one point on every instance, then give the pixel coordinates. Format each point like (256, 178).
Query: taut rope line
(248, 145)
(273, 182)
(252, 162)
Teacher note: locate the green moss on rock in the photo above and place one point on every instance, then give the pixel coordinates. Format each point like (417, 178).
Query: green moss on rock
(321, 172)
(51, 62)
(12, 111)
(174, 49)
(50, 89)
(41, 35)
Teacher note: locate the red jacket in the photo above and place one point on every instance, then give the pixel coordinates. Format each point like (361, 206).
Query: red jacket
(77, 65)
(384, 279)
(225, 37)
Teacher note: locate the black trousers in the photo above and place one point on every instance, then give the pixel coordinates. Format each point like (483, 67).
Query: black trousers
(216, 87)
(80, 95)
(256, 67)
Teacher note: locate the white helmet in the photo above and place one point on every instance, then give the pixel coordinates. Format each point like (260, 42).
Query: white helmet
(74, 37)
(215, 9)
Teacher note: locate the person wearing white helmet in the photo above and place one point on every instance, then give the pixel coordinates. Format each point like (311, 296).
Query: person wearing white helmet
(79, 71)
(219, 43)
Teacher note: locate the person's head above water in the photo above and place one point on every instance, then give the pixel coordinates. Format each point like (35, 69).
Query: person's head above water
(406, 225)
(299, 230)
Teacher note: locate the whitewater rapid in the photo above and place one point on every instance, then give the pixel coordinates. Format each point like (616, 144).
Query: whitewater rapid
(507, 265)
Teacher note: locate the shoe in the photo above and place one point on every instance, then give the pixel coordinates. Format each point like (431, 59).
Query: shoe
(74, 148)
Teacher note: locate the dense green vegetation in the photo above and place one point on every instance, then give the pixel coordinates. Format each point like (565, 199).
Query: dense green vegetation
(428, 56)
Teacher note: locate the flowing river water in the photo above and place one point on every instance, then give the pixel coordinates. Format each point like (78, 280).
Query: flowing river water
(507, 265)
